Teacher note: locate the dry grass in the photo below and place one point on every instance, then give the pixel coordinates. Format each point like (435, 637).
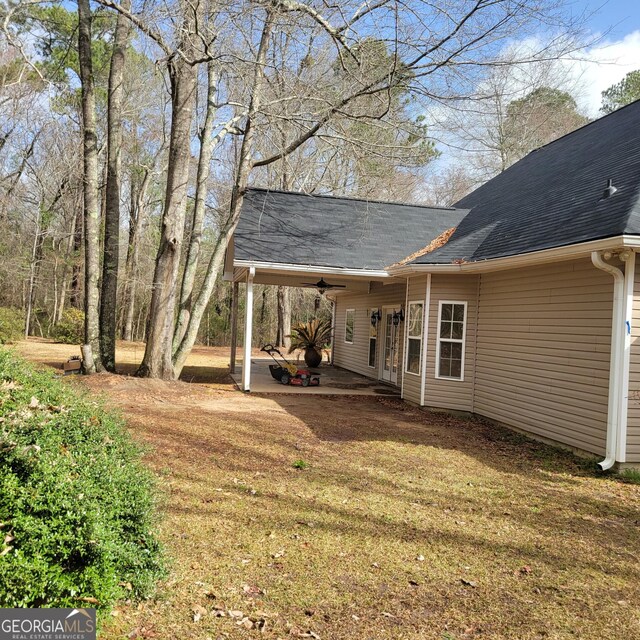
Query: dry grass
(405, 524)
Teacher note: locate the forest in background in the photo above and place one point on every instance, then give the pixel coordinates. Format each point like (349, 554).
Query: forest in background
(129, 133)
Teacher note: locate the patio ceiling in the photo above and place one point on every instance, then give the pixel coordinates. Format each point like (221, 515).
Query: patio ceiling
(281, 275)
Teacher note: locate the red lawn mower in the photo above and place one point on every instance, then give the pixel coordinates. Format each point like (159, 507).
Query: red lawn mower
(288, 373)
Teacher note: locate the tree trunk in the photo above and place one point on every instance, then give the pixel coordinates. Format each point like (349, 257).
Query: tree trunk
(78, 235)
(157, 357)
(284, 317)
(111, 259)
(136, 222)
(193, 254)
(240, 185)
(90, 190)
(37, 244)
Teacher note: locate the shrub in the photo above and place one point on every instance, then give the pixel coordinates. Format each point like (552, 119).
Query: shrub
(70, 329)
(76, 505)
(11, 325)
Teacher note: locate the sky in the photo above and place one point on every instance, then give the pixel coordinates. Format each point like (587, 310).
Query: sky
(617, 24)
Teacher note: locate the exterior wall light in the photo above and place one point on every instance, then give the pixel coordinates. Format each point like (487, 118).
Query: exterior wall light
(398, 317)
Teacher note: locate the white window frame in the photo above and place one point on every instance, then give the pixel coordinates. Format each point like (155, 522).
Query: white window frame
(353, 329)
(462, 341)
(407, 336)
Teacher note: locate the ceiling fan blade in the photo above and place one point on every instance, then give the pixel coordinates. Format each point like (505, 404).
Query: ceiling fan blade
(321, 284)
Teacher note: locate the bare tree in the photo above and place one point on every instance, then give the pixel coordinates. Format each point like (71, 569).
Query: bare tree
(111, 257)
(91, 348)
(207, 145)
(182, 72)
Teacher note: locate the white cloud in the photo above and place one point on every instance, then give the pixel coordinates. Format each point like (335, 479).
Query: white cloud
(601, 66)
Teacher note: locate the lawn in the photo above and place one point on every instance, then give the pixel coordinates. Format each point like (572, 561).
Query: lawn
(295, 516)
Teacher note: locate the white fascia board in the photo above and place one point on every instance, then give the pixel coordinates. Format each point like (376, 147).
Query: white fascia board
(302, 268)
(568, 252)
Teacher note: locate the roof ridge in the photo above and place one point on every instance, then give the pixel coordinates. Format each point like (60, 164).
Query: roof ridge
(356, 199)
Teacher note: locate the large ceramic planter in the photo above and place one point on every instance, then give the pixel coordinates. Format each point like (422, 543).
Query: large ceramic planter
(312, 357)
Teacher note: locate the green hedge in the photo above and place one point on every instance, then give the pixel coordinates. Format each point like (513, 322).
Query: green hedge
(11, 325)
(77, 508)
(70, 329)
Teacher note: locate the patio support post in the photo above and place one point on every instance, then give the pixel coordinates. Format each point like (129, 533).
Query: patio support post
(333, 329)
(248, 326)
(234, 327)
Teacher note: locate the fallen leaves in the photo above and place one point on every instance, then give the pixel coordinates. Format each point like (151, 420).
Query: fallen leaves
(252, 590)
(198, 613)
(256, 620)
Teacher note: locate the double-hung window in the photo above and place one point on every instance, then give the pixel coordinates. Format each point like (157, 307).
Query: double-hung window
(452, 320)
(414, 328)
(349, 325)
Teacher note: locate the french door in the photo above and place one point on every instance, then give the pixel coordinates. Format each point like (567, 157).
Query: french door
(391, 348)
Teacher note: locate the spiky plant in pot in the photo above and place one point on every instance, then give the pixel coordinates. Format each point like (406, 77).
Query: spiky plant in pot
(311, 337)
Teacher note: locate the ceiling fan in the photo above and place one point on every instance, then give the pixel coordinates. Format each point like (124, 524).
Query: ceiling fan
(323, 286)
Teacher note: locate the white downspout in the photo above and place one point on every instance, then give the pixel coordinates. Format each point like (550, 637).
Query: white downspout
(629, 258)
(616, 360)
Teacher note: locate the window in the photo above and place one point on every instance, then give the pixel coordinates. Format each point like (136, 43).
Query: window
(373, 335)
(415, 319)
(451, 334)
(349, 324)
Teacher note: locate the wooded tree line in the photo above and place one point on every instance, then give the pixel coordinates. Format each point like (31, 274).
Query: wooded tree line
(129, 133)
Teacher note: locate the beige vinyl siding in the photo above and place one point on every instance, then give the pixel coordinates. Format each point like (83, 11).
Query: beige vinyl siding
(411, 389)
(439, 392)
(543, 349)
(355, 357)
(633, 419)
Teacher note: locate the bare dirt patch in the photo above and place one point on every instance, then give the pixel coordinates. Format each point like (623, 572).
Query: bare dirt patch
(401, 524)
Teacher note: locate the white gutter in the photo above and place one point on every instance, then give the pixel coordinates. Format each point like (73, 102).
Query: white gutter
(522, 260)
(620, 352)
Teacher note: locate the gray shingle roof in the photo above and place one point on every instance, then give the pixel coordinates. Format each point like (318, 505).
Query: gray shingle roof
(552, 197)
(296, 228)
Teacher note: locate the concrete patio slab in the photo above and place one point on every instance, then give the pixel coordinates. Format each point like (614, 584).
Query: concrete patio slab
(333, 381)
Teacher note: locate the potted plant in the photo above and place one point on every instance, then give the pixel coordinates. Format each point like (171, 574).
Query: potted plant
(311, 337)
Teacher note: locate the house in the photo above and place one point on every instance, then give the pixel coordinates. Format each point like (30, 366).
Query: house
(520, 304)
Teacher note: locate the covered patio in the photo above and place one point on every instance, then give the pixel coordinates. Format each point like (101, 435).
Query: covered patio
(255, 376)
(334, 381)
